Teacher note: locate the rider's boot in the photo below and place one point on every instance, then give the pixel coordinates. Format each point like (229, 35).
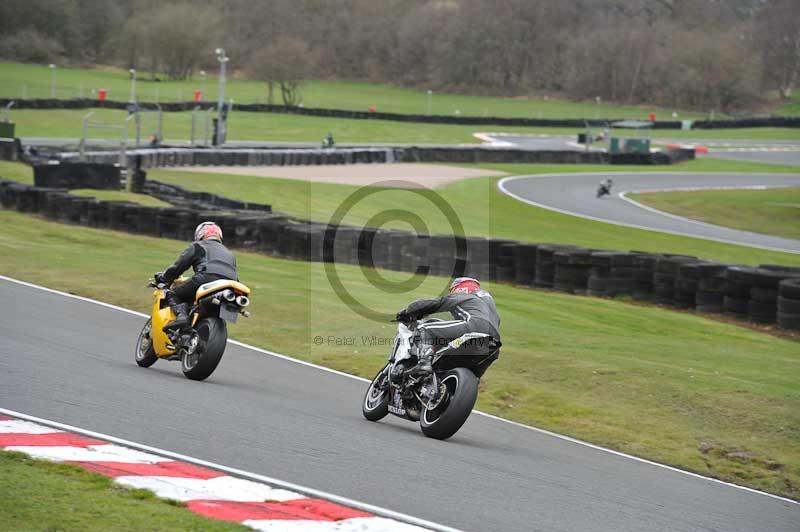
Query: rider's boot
(424, 361)
(181, 311)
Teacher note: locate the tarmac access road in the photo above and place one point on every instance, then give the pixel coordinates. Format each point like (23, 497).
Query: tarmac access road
(71, 361)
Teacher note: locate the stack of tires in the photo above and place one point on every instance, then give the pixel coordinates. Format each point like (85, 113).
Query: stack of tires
(666, 276)
(506, 260)
(788, 311)
(597, 282)
(572, 270)
(545, 266)
(763, 305)
(644, 265)
(611, 274)
(621, 275)
(736, 299)
(687, 284)
(525, 264)
(710, 286)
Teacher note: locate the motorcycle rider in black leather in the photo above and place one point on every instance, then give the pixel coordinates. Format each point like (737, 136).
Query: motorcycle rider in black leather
(473, 331)
(210, 261)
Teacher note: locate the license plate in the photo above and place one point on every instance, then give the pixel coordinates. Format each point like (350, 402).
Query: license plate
(228, 315)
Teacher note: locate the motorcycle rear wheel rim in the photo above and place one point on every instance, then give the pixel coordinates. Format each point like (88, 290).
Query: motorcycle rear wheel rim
(432, 416)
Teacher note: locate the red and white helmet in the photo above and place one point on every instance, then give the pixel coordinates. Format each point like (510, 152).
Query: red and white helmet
(464, 285)
(208, 230)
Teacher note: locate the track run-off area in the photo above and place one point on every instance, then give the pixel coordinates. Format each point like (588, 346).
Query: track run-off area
(575, 194)
(69, 360)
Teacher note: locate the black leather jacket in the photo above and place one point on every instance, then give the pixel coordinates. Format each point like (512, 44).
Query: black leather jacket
(204, 256)
(477, 309)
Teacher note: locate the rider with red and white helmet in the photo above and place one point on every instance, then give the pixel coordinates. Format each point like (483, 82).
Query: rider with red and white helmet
(474, 326)
(210, 261)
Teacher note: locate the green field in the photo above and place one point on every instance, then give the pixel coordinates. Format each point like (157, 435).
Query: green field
(34, 81)
(483, 209)
(47, 496)
(276, 127)
(773, 211)
(643, 380)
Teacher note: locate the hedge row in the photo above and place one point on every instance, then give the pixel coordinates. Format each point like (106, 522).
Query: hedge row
(85, 103)
(163, 157)
(764, 295)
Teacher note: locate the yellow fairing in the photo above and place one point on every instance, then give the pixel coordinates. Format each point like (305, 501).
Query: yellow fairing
(222, 284)
(161, 316)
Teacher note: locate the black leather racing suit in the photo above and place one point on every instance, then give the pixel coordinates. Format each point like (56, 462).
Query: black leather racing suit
(476, 322)
(210, 261)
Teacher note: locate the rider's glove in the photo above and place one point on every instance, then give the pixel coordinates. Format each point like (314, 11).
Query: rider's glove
(404, 317)
(159, 278)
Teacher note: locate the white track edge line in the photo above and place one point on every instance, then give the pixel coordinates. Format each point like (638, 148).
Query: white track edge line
(501, 187)
(478, 412)
(382, 512)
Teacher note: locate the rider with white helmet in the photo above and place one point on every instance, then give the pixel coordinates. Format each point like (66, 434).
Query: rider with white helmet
(210, 261)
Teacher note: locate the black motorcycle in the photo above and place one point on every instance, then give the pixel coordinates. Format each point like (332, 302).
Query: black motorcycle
(441, 401)
(604, 189)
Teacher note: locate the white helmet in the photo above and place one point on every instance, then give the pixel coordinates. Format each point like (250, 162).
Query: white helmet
(208, 230)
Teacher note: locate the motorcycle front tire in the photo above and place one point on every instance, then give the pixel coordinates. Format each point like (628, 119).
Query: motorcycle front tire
(447, 418)
(375, 405)
(145, 354)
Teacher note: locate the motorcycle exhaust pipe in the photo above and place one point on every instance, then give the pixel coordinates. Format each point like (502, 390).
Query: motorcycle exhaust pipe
(242, 301)
(229, 295)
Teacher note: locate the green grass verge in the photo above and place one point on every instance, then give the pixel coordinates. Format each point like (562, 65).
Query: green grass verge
(24, 174)
(483, 209)
(296, 128)
(326, 94)
(42, 495)
(660, 384)
(773, 211)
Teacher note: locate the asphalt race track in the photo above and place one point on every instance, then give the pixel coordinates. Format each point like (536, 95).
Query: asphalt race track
(71, 361)
(576, 194)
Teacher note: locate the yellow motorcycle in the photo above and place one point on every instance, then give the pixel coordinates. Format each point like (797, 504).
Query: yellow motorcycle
(199, 347)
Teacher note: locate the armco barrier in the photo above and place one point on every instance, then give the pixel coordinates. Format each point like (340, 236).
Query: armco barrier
(761, 295)
(580, 123)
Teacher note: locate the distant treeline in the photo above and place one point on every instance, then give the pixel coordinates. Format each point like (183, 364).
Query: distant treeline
(690, 54)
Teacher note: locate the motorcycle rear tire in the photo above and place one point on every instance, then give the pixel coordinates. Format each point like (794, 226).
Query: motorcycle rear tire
(448, 418)
(147, 357)
(213, 337)
(378, 406)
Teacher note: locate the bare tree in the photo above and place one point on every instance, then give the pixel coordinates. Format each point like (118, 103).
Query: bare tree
(170, 38)
(778, 35)
(287, 62)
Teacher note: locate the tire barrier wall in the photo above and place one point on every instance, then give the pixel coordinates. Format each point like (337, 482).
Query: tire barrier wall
(166, 157)
(169, 157)
(86, 103)
(77, 175)
(765, 295)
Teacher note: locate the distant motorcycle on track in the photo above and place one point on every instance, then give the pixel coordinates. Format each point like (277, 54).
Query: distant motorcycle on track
(442, 401)
(199, 347)
(604, 188)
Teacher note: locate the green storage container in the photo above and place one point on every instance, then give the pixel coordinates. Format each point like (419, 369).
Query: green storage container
(7, 130)
(637, 145)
